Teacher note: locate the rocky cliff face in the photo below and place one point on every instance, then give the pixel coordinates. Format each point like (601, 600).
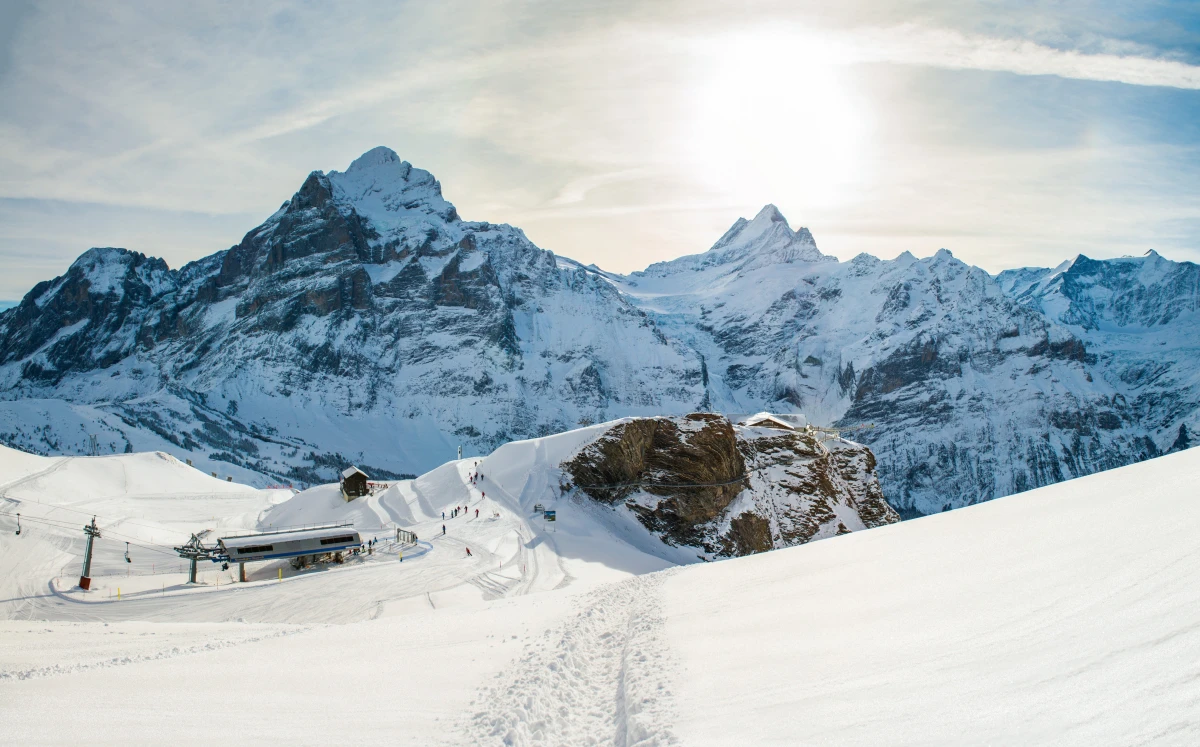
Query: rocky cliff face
(365, 321)
(700, 481)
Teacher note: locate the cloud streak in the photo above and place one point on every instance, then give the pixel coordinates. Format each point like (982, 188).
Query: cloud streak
(946, 48)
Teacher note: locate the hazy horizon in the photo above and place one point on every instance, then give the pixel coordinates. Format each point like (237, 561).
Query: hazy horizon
(618, 133)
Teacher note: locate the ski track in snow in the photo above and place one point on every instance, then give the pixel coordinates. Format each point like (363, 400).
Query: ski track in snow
(117, 661)
(599, 679)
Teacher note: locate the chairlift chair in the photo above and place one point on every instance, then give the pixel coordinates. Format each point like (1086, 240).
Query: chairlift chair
(18, 525)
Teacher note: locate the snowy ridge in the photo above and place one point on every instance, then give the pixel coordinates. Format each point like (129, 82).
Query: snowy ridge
(764, 241)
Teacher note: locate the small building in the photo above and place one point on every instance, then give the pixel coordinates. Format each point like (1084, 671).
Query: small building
(354, 483)
(767, 420)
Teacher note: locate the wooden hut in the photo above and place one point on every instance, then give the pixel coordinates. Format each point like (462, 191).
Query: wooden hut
(354, 483)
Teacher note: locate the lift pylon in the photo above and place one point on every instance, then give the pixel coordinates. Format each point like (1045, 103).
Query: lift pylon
(193, 551)
(92, 531)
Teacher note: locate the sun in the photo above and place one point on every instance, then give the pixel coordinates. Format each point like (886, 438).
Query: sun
(773, 119)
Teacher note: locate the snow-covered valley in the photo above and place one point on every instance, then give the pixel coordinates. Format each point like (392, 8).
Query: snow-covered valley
(1063, 615)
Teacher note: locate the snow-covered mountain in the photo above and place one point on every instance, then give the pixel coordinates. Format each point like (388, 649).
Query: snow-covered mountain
(366, 321)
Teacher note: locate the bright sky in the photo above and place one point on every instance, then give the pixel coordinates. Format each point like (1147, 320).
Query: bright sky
(620, 133)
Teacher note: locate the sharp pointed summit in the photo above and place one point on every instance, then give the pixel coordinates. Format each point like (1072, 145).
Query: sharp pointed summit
(770, 213)
(750, 244)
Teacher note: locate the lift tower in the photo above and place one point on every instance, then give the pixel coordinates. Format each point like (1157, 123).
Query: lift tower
(193, 551)
(92, 531)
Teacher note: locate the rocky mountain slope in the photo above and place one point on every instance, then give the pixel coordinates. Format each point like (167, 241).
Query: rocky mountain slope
(978, 386)
(366, 321)
(701, 481)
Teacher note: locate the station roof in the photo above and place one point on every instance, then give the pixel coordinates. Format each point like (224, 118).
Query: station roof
(769, 420)
(352, 470)
(288, 536)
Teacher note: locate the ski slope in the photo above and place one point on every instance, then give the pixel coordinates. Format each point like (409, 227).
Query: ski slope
(1068, 615)
(156, 502)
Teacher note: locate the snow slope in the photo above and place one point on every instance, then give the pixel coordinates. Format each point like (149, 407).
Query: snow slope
(1067, 615)
(155, 502)
(150, 500)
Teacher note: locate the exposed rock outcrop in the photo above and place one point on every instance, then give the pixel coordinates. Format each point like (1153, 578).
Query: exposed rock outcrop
(703, 482)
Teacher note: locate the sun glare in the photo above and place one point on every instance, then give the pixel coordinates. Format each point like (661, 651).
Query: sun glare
(774, 120)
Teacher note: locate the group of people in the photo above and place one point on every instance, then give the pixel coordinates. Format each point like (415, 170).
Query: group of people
(454, 512)
(476, 475)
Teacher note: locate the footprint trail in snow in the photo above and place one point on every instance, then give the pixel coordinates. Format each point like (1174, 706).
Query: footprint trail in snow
(601, 678)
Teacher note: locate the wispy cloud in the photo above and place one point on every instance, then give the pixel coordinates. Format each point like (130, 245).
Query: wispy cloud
(577, 190)
(947, 48)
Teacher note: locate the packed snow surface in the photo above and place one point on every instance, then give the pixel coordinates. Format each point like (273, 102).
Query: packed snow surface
(1066, 615)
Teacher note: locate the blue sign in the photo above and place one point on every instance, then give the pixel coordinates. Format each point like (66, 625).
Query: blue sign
(548, 515)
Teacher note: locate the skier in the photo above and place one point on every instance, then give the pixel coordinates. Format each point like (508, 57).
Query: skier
(476, 513)
(443, 529)
(483, 494)
(443, 516)
(468, 552)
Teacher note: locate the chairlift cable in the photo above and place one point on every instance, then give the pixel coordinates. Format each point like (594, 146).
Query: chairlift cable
(59, 523)
(63, 525)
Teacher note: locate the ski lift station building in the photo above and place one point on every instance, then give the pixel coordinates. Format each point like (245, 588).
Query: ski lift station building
(289, 544)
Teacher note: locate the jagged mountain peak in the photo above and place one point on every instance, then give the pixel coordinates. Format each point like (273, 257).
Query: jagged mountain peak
(379, 156)
(765, 240)
(105, 267)
(382, 187)
(770, 213)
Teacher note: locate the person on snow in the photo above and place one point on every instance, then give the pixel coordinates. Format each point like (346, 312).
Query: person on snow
(443, 516)
(476, 513)
(443, 529)
(468, 552)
